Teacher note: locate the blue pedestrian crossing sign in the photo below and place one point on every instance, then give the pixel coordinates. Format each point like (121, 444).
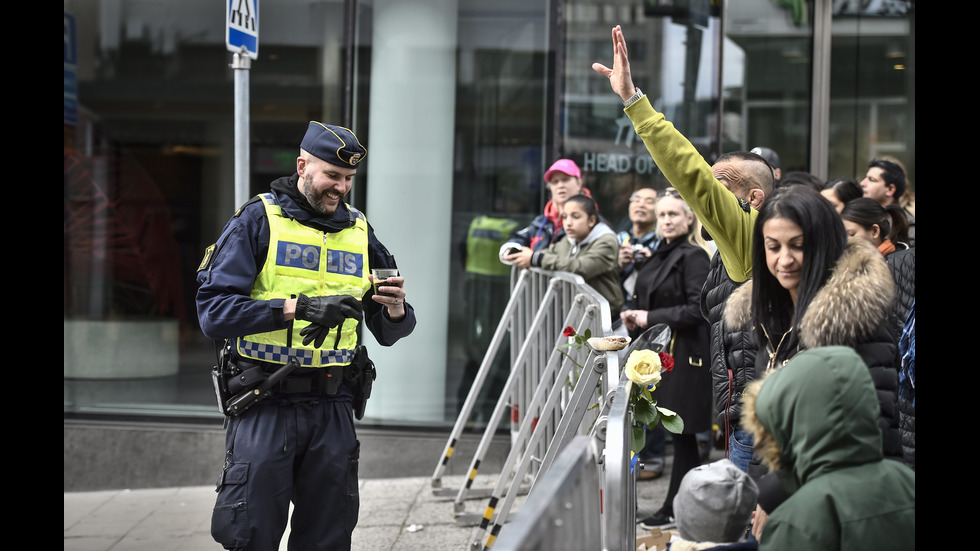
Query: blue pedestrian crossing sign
(242, 27)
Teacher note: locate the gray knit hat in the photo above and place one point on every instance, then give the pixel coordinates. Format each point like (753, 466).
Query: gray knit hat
(715, 503)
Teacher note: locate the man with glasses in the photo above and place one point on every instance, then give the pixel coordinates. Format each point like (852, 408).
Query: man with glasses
(636, 244)
(725, 197)
(635, 248)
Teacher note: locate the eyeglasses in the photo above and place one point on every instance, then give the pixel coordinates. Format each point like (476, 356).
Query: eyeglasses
(648, 201)
(669, 192)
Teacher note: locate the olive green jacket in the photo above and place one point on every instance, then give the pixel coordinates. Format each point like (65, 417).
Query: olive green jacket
(721, 213)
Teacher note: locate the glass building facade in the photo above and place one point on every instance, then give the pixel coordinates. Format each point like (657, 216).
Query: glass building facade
(462, 105)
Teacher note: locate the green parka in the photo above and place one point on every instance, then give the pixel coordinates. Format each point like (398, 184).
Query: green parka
(815, 422)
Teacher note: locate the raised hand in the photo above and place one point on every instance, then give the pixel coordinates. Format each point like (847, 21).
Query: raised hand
(620, 78)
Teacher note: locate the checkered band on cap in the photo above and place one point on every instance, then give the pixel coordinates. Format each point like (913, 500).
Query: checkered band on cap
(333, 144)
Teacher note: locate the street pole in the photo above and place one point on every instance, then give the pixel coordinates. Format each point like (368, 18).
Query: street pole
(241, 63)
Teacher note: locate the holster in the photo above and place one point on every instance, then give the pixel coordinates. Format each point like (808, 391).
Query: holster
(239, 387)
(247, 398)
(246, 379)
(220, 375)
(361, 378)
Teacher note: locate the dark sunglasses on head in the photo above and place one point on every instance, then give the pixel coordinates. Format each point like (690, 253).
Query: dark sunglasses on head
(669, 192)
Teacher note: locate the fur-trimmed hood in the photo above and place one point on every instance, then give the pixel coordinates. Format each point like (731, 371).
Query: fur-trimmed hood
(850, 307)
(816, 414)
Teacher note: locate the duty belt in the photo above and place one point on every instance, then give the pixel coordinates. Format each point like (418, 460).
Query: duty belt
(325, 380)
(248, 381)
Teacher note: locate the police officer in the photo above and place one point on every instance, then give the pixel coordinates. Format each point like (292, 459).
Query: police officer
(487, 290)
(289, 281)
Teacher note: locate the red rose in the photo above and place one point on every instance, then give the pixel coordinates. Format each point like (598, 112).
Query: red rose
(666, 362)
(569, 332)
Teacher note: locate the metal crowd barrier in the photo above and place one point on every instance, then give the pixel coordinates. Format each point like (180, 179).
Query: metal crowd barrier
(553, 400)
(562, 511)
(587, 500)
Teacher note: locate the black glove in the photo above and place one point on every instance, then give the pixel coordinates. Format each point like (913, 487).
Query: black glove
(325, 313)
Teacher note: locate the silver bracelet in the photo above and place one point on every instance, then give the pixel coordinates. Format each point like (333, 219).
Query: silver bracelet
(633, 99)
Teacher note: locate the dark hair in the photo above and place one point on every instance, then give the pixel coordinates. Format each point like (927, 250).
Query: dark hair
(798, 177)
(892, 174)
(824, 240)
(867, 212)
(846, 189)
(755, 175)
(588, 205)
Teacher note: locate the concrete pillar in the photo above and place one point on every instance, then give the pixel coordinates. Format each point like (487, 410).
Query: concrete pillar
(409, 200)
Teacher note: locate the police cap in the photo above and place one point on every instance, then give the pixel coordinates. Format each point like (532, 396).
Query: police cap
(333, 144)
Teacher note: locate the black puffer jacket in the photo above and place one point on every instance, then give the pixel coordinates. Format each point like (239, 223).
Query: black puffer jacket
(732, 350)
(853, 308)
(902, 265)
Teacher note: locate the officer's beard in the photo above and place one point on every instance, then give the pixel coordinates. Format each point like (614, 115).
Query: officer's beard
(313, 198)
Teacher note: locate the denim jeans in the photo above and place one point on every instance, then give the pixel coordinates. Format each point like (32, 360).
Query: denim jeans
(740, 446)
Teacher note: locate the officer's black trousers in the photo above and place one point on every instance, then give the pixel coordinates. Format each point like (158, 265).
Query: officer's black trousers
(295, 449)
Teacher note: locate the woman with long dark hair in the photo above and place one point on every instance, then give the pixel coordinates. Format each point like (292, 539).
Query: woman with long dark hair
(813, 286)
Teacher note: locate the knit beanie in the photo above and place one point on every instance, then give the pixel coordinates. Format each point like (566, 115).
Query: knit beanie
(715, 503)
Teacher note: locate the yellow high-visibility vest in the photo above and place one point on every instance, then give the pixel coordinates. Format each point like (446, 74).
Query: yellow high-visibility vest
(305, 260)
(483, 242)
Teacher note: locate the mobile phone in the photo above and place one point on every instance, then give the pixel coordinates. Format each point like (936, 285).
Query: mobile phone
(513, 250)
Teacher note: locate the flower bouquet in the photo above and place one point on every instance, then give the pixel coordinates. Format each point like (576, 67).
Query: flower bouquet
(645, 366)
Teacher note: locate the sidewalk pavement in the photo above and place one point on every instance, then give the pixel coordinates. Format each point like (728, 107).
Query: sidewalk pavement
(396, 514)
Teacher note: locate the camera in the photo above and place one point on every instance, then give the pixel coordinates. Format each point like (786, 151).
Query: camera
(640, 254)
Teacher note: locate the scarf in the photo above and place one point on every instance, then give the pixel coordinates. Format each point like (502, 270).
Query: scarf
(887, 247)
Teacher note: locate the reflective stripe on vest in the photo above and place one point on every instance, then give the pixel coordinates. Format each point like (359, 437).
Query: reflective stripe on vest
(280, 354)
(305, 260)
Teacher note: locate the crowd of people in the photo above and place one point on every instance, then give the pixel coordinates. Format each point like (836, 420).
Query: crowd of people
(804, 301)
(799, 275)
(768, 280)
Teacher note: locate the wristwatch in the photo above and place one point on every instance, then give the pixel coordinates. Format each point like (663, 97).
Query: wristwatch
(633, 99)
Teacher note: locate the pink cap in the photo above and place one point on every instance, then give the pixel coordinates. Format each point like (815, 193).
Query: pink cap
(567, 166)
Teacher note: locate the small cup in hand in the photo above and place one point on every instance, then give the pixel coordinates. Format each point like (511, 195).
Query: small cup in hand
(380, 276)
